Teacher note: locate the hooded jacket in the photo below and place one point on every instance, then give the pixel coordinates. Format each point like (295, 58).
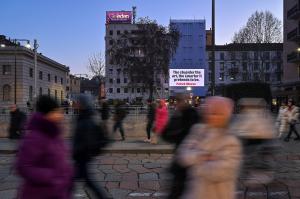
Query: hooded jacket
(42, 162)
(161, 117)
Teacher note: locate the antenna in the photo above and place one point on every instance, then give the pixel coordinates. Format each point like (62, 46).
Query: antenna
(133, 13)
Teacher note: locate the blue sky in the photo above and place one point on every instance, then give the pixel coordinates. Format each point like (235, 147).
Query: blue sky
(69, 31)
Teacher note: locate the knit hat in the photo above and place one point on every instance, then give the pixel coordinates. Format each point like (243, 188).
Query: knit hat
(46, 104)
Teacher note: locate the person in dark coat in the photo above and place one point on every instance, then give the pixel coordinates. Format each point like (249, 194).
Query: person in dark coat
(150, 120)
(175, 132)
(105, 114)
(87, 132)
(120, 114)
(17, 121)
(43, 158)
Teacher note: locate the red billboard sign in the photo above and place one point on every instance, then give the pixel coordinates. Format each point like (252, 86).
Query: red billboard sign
(118, 17)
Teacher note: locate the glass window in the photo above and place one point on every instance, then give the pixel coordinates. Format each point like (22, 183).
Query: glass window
(111, 81)
(49, 77)
(61, 80)
(41, 75)
(55, 94)
(138, 90)
(232, 55)
(119, 71)
(222, 56)
(244, 77)
(41, 91)
(221, 78)
(111, 32)
(111, 90)
(256, 65)
(30, 93)
(222, 66)
(6, 92)
(118, 90)
(244, 55)
(111, 42)
(55, 79)
(255, 55)
(49, 92)
(267, 66)
(132, 90)
(125, 90)
(30, 72)
(118, 32)
(118, 81)
(6, 69)
(110, 71)
(125, 80)
(266, 55)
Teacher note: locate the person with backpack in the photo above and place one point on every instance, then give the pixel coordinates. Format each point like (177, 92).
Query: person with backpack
(120, 114)
(89, 139)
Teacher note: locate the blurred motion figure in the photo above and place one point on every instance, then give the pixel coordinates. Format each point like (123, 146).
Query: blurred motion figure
(17, 122)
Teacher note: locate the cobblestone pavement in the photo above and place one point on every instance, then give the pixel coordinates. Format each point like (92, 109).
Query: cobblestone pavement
(145, 176)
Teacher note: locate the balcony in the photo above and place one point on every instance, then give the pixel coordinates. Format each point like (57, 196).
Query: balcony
(293, 57)
(294, 12)
(294, 35)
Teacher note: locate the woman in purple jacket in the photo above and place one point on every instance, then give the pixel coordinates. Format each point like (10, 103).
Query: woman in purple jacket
(42, 160)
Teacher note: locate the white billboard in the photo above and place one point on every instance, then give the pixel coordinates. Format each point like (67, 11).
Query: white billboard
(186, 77)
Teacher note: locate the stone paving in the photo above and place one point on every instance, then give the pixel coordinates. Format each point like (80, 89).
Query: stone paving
(145, 175)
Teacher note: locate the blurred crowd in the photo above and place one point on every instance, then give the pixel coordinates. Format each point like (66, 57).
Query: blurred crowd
(213, 146)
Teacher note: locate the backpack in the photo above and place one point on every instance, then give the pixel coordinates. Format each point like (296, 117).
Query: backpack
(97, 140)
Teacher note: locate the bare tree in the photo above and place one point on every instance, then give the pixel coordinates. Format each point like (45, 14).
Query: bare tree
(96, 66)
(261, 27)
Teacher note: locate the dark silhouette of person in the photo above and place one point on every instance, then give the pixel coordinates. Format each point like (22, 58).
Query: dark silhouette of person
(120, 114)
(150, 119)
(17, 121)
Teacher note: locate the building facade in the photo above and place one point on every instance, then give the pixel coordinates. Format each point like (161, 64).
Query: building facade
(19, 85)
(236, 63)
(118, 84)
(73, 88)
(291, 51)
(190, 53)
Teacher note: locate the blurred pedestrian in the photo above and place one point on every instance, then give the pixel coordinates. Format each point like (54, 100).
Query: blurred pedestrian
(17, 122)
(211, 154)
(150, 119)
(89, 139)
(104, 112)
(42, 159)
(161, 120)
(120, 114)
(176, 130)
(282, 120)
(293, 117)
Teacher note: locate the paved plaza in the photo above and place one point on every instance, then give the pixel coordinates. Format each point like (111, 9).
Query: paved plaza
(144, 175)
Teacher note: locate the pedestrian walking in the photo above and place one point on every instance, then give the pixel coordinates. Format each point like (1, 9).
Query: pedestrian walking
(119, 116)
(89, 139)
(161, 119)
(42, 158)
(211, 154)
(17, 122)
(175, 132)
(293, 117)
(150, 119)
(282, 120)
(104, 113)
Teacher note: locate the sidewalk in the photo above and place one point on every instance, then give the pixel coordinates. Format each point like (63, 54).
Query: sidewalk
(131, 145)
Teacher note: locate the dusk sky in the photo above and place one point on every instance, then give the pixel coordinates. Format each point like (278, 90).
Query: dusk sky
(69, 31)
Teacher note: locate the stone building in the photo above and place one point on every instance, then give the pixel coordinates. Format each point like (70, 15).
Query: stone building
(235, 63)
(18, 86)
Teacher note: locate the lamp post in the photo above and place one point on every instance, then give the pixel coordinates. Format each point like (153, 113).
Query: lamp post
(35, 47)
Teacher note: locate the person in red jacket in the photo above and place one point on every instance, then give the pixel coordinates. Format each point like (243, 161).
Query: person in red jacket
(161, 120)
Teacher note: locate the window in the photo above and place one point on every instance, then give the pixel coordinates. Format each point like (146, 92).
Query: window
(30, 72)
(61, 95)
(30, 93)
(125, 90)
(55, 94)
(118, 32)
(222, 56)
(49, 92)
(267, 66)
(221, 78)
(132, 90)
(233, 64)
(267, 55)
(126, 32)
(232, 55)
(55, 79)
(49, 78)
(125, 80)
(125, 71)
(119, 71)
(118, 90)
(278, 54)
(244, 55)
(6, 92)
(61, 80)
(118, 81)
(41, 91)
(267, 77)
(166, 81)
(256, 55)
(255, 67)
(245, 66)
(41, 75)
(111, 42)
(138, 90)
(111, 32)
(110, 71)
(111, 81)
(111, 90)
(6, 69)
(222, 66)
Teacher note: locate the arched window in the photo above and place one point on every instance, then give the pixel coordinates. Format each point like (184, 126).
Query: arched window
(6, 92)
(41, 91)
(30, 93)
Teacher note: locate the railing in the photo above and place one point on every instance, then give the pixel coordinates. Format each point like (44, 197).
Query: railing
(292, 34)
(291, 12)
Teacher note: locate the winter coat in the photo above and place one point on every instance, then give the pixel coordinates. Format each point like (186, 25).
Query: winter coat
(179, 125)
(161, 119)
(120, 113)
(17, 121)
(42, 162)
(213, 158)
(293, 114)
(105, 111)
(151, 112)
(282, 121)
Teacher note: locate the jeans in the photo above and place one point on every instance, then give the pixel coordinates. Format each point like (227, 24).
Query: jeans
(119, 125)
(149, 128)
(82, 172)
(292, 129)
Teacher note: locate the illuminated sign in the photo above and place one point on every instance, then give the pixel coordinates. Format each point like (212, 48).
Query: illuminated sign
(118, 17)
(186, 77)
